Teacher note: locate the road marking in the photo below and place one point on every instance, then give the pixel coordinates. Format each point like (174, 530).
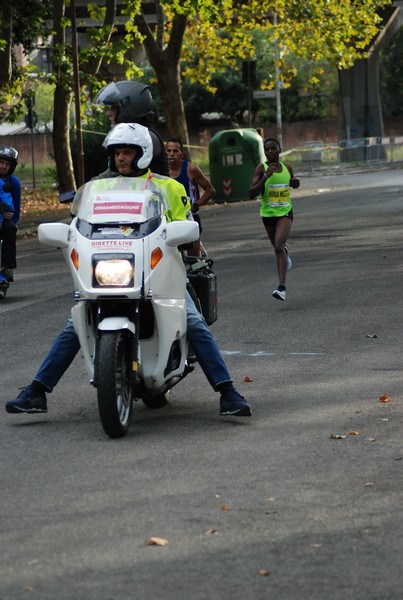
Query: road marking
(263, 353)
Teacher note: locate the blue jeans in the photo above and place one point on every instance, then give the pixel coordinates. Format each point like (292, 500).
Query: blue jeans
(67, 345)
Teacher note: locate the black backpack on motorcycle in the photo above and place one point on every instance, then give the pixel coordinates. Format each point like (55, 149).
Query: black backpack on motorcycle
(202, 286)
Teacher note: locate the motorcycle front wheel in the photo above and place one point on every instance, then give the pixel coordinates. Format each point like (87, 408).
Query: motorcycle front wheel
(115, 400)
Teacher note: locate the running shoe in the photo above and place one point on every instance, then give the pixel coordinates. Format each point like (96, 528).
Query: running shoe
(279, 295)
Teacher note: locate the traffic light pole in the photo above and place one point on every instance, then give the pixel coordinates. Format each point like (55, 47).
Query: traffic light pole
(249, 78)
(30, 121)
(33, 157)
(278, 87)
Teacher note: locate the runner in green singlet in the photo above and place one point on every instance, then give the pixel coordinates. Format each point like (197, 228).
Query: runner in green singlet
(273, 181)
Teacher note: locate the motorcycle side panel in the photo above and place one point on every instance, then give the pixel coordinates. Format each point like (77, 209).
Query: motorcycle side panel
(84, 328)
(170, 317)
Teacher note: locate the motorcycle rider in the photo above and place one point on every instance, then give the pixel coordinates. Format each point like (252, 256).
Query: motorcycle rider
(10, 194)
(127, 146)
(132, 102)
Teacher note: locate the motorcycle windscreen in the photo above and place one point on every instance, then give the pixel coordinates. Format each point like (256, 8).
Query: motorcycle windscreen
(119, 200)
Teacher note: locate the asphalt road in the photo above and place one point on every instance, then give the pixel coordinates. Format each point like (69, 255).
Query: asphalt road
(303, 501)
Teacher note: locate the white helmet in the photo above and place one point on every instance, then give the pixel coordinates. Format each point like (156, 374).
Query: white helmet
(134, 135)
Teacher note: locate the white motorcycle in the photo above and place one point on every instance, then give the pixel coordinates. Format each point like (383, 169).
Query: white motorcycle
(130, 283)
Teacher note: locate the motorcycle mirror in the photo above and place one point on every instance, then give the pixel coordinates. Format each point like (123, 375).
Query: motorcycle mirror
(181, 232)
(54, 234)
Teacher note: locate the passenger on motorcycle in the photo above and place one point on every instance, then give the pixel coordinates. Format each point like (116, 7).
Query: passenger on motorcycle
(132, 102)
(10, 197)
(130, 151)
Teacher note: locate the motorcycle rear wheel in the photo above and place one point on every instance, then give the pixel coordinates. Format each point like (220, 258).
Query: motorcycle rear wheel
(115, 400)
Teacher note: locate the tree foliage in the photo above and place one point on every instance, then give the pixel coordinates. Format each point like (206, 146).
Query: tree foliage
(22, 22)
(193, 41)
(391, 76)
(312, 29)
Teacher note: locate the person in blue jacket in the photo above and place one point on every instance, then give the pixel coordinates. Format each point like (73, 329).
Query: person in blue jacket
(10, 209)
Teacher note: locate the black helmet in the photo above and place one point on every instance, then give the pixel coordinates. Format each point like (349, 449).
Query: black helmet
(133, 99)
(9, 153)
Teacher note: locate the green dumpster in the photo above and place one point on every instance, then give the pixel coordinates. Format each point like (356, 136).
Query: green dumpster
(233, 156)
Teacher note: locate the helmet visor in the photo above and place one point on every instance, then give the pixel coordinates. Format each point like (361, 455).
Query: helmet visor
(110, 94)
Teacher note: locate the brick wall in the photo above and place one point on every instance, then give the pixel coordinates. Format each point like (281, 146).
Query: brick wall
(294, 134)
(42, 144)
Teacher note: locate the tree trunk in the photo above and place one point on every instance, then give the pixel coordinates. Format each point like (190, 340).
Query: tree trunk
(62, 102)
(6, 28)
(166, 64)
(61, 139)
(169, 86)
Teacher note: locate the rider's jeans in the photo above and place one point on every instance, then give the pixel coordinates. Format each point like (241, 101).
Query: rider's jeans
(66, 346)
(204, 346)
(59, 357)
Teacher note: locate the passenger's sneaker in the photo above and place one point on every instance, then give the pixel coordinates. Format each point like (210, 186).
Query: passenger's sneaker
(279, 295)
(8, 273)
(232, 403)
(28, 401)
(3, 286)
(289, 261)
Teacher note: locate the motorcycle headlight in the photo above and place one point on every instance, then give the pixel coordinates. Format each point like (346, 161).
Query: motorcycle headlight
(113, 270)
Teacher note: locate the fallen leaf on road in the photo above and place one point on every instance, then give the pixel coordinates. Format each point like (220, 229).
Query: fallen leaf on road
(369, 484)
(264, 572)
(371, 439)
(157, 541)
(384, 398)
(338, 436)
(398, 458)
(354, 433)
(212, 532)
(225, 507)
(383, 419)
(371, 335)
(316, 545)
(248, 379)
